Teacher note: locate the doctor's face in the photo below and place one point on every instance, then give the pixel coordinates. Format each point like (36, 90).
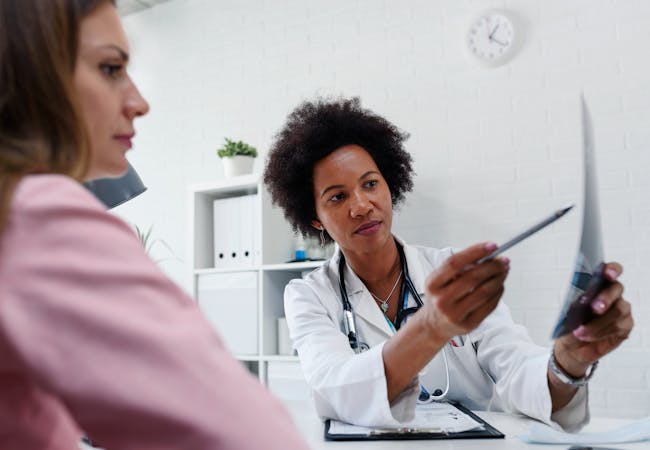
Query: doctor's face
(109, 100)
(352, 200)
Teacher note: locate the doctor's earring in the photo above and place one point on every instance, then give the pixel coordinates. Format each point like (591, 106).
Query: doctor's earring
(322, 236)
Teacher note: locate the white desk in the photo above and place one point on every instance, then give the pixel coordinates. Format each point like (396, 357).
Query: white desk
(512, 426)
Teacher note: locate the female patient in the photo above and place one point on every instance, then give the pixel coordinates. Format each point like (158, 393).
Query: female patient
(429, 319)
(93, 336)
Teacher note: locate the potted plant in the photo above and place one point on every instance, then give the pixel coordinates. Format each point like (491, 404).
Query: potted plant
(237, 157)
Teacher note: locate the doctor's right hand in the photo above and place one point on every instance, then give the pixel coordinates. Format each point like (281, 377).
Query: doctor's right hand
(460, 293)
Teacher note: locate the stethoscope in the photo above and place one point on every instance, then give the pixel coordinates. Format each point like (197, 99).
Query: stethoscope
(402, 313)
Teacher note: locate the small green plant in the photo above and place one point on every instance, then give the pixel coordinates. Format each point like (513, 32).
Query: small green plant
(148, 242)
(232, 148)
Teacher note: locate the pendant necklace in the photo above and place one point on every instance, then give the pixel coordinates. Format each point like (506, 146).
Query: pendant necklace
(384, 303)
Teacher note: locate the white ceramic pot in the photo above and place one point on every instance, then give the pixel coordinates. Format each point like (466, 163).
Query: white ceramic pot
(237, 165)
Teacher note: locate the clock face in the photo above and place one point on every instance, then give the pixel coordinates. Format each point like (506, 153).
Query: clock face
(491, 38)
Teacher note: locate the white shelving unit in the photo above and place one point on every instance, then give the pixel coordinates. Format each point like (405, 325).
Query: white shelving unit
(266, 272)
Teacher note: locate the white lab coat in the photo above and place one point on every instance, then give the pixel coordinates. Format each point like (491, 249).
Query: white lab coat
(352, 387)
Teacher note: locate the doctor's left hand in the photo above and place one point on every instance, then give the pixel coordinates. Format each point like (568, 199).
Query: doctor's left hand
(612, 324)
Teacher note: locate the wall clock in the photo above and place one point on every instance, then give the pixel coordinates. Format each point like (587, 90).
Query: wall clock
(492, 37)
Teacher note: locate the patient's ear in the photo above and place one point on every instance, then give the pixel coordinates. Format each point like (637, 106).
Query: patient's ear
(316, 224)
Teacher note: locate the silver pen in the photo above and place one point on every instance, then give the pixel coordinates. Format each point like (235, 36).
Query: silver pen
(532, 230)
(407, 430)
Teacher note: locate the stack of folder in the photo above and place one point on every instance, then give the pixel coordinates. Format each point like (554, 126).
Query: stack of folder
(235, 231)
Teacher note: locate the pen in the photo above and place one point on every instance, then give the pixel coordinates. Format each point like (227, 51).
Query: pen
(407, 430)
(532, 230)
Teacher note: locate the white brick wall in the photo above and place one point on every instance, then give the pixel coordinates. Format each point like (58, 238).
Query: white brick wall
(494, 149)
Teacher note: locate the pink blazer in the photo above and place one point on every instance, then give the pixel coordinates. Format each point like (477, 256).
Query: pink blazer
(94, 337)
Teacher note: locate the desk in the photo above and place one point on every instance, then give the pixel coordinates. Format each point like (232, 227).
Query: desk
(311, 428)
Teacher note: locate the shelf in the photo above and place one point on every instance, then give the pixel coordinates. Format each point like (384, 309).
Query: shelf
(283, 267)
(228, 185)
(225, 270)
(247, 357)
(283, 358)
(256, 284)
(288, 267)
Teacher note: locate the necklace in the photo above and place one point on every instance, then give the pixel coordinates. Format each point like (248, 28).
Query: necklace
(384, 303)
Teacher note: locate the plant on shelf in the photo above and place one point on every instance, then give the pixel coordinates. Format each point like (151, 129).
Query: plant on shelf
(148, 242)
(232, 148)
(237, 157)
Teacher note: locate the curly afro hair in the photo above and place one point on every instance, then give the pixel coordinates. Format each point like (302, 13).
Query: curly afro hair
(316, 129)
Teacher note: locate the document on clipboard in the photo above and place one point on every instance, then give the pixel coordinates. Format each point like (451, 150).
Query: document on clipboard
(436, 420)
(588, 278)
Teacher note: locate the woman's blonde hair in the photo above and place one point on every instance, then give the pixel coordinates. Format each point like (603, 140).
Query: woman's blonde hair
(41, 128)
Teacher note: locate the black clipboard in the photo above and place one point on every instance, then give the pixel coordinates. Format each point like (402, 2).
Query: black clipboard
(488, 432)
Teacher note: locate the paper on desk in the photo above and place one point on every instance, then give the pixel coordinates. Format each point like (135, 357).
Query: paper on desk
(431, 417)
(636, 431)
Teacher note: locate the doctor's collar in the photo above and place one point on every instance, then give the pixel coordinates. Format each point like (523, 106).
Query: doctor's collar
(353, 284)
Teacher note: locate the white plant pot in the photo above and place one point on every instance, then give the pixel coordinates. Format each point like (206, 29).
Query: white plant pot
(237, 165)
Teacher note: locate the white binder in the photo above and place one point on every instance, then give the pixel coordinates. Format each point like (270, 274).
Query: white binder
(222, 230)
(233, 243)
(236, 222)
(247, 228)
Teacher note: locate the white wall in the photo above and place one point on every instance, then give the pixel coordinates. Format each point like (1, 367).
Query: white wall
(495, 149)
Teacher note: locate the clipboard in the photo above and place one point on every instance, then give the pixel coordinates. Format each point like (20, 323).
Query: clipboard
(487, 432)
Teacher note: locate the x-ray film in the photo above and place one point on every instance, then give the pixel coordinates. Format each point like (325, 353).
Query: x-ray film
(588, 278)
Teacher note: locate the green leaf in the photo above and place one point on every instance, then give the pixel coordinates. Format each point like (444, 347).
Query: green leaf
(232, 148)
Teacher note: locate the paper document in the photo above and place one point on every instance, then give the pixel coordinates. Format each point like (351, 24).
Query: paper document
(636, 431)
(429, 418)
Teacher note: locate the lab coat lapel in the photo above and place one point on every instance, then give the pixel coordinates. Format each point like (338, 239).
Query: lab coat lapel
(363, 305)
(415, 267)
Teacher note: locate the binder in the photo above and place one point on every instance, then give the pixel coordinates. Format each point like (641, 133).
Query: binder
(235, 229)
(221, 227)
(246, 253)
(232, 237)
(487, 431)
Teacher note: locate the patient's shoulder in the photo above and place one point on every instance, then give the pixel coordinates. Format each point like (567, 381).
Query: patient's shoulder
(47, 192)
(58, 212)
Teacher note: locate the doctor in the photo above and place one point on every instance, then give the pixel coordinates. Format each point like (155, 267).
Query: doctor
(384, 324)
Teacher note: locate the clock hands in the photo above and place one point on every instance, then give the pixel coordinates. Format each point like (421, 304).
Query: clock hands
(502, 44)
(494, 31)
(492, 38)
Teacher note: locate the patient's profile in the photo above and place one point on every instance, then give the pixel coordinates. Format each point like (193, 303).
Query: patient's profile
(94, 338)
